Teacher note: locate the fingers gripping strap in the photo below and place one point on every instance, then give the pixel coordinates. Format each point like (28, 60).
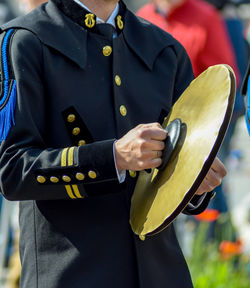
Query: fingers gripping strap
(8, 88)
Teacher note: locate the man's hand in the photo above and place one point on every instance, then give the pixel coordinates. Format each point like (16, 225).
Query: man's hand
(141, 148)
(213, 177)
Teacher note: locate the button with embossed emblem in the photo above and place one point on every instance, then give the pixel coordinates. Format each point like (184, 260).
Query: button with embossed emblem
(107, 50)
(71, 118)
(123, 110)
(40, 179)
(118, 80)
(76, 131)
(80, 176)
(66, 178)
(54, 179)
(92, 174)
(81, 142)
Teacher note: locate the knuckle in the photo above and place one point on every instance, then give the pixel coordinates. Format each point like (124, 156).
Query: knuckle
(218, 182)
(200, 190)
(142, 144)
(139, 126)
(156, 124)
(205, 187)
(141, 132)
(140, 156)
(209, 188)
(140, 165)
(148, 165)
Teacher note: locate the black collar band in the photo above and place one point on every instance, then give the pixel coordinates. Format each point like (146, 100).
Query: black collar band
(86, 19)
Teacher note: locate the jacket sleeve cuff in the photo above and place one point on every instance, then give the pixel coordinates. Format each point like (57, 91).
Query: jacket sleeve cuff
(198, 204)
(96, 161)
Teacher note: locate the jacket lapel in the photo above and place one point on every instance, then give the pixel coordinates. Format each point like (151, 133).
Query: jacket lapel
(55, 30)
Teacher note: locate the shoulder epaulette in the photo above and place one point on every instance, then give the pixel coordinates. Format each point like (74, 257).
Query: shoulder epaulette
(8, 87)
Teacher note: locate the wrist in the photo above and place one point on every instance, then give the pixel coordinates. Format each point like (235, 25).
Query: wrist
(118, 158)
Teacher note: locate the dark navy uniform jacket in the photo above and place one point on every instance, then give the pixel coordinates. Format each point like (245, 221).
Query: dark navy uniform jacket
(68, 92)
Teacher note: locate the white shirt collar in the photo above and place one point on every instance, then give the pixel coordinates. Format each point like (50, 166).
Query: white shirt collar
(111, 19)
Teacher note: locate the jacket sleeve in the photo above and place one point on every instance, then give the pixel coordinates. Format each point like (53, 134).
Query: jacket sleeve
(29, 169)
(184, 75)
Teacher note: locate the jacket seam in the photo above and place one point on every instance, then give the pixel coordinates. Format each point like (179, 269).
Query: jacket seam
(35, 237)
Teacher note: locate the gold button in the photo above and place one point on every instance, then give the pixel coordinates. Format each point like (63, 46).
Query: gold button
(107, 50)
(71, 118)
(54, 179)
(80, 176)
(132, 173)
(123, 110)
(66, 178)
(118, 80)
(40, 179)
(81, 142)
(92, 174)
(76, 131)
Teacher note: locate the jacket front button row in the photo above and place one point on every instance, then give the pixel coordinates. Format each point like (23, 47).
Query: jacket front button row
(107, 50)
(118, 80)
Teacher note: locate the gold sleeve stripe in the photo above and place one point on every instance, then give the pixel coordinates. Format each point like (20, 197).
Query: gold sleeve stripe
(67, 160)
(70, 156)
(64, 157)
(69, 191)
(70, 163)
(77, 192)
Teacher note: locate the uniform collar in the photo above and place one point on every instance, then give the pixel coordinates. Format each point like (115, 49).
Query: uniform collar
(81, 15)
(64, 29)
(111, 19)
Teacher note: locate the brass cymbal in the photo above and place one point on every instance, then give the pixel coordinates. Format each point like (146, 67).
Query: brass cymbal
(205, 109)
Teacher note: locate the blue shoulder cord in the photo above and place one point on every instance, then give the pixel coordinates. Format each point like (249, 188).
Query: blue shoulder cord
(8, 99)
(248, 105)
